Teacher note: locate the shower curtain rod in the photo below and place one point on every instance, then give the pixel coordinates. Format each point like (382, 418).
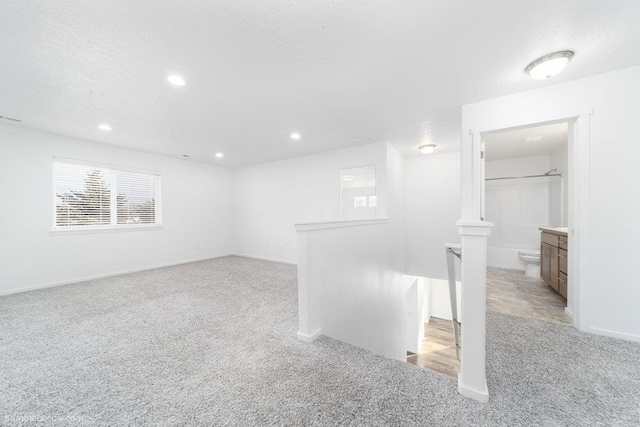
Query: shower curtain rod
(528, 176)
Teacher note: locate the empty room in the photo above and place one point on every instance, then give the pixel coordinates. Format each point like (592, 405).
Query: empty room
(319, 213)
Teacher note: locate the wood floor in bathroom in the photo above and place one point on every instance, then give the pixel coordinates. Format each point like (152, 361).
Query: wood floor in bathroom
(508, 292)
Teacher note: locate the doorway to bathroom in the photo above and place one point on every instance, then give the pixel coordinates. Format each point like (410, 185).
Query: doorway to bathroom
(526, 197)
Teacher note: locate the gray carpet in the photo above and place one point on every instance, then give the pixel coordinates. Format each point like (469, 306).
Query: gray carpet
(213, 343)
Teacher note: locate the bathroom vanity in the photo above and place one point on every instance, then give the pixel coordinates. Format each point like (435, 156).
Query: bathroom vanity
(553, 258)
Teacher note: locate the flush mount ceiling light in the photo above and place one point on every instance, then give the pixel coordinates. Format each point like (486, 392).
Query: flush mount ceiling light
(427, 148)
(219, 155)
(104, 127)
(176, 80)
(348, 178)
(295, 136)
(549, 65)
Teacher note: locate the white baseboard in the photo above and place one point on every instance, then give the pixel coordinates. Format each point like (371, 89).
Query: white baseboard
(102, 276)
(310, 338)
(479, 395)
(568, 312)
(614, 334)
(265, 258)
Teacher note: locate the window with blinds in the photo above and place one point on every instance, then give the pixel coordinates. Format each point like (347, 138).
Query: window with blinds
(91, 196)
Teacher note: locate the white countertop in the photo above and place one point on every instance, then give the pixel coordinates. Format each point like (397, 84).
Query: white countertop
(555, 230)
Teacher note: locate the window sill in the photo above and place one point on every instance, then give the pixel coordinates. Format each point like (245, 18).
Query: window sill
(104, 229)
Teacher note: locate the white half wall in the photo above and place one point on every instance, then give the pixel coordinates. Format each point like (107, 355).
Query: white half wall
(349, 288)
(268, 199)
(196, 214)
(605, 233)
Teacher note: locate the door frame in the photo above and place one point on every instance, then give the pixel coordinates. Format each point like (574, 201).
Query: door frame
(579, 197)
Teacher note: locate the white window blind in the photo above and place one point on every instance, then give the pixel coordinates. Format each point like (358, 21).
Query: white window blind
(95, 196)
(136, 198)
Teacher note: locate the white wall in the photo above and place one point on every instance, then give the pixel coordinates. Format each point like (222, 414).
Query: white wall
(395, 205)
(433, 207)
(196, 214)
(532, 165)
(560, 189)
(439, 300)
(268, 199)
(608, 152)
(418, 312)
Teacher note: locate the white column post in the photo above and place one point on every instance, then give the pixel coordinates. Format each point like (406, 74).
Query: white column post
(472, 380)
(308, 324)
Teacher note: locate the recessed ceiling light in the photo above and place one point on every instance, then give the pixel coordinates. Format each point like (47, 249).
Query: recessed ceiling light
(295, 136)
(427, 148)
(176, 80)
(104, 127)
(549, 65)
(532, 139)
(348, 178)
(219, 155)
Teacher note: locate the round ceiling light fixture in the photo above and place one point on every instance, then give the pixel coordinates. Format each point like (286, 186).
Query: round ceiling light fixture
(549, 65)
(104, 127)
(427, 148)
(295, 136)
(176, 80)
(219, 155)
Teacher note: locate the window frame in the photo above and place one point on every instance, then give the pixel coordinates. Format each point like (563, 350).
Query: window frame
(113, 226)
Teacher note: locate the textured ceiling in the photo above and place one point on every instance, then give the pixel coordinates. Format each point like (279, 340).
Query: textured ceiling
(514, 144)
(340, 73)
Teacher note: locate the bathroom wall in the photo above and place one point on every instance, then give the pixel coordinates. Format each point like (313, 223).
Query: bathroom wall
(559, 189)
(533, 165)
(517, 207)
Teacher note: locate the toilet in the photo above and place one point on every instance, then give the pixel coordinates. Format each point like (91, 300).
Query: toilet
(532, 261)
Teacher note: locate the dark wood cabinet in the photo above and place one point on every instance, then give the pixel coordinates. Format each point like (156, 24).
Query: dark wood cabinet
(562, 284)
(553, 260)
(549, 265)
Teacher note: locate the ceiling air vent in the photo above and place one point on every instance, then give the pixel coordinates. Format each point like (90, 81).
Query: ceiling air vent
(10, 119)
